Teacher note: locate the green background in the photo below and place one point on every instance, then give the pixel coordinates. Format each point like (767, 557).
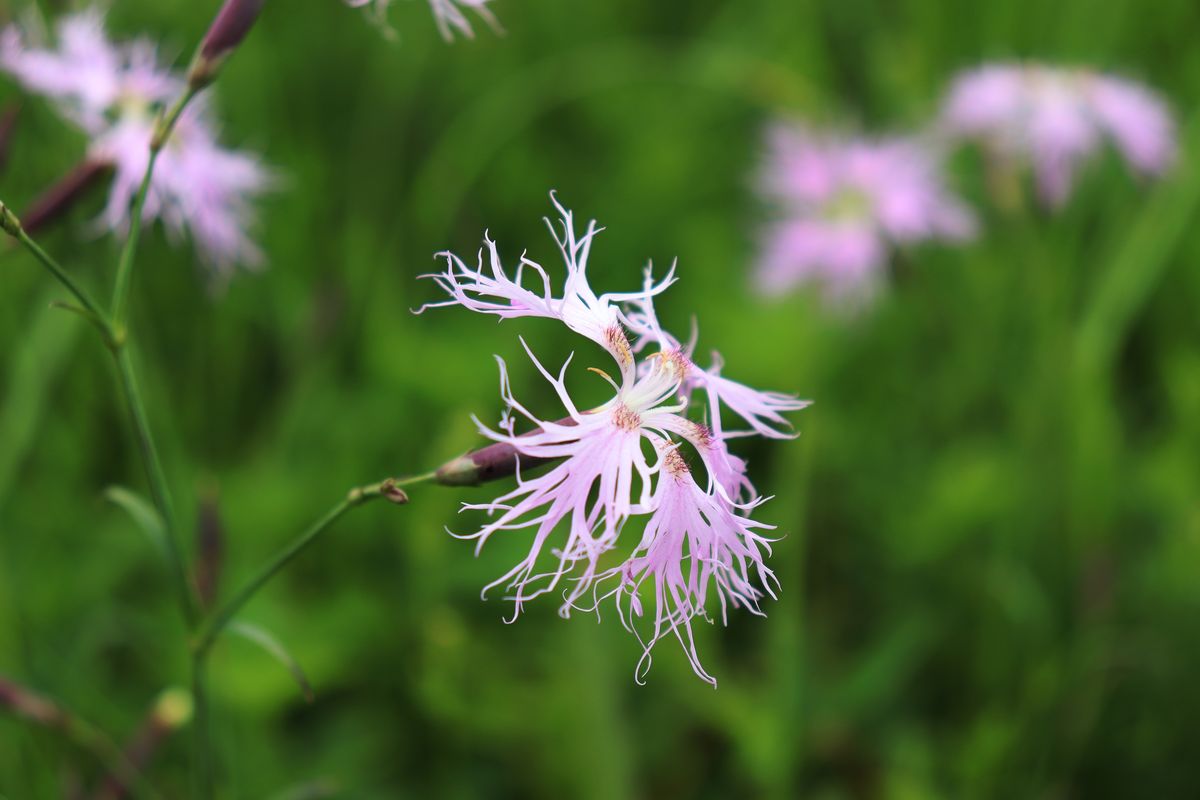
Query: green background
(992, 515)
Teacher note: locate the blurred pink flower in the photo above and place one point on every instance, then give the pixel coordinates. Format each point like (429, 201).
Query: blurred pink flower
(86, 75)
(448, 14)
(113, 93)
(199, 188)
(1056, 118)
(623, 459)
(844, 203)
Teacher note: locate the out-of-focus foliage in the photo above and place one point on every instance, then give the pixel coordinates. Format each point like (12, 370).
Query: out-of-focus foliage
(992, 518)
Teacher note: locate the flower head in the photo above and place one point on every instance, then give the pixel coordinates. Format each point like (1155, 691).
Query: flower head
(86, 76)
(843, 203)
(448, 14)
(625, 459)
(693, 542)
(113, 93)
(1055, 119)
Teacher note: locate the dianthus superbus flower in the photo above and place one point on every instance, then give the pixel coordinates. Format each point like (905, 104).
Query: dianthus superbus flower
(842, 203)
(1054, 119)
(693, 542)
(113, 93)
(199, 187)
(448, 14)
(86, 75)
(623, 460)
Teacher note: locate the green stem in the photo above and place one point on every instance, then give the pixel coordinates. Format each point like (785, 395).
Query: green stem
(1137, 266)
(157, 480)
(154, 471)
(48, 714)
(95, 741)
(222, 617)
(202, 774)
(112, 328)
(211, 629)
(63, 277)
(162, 131)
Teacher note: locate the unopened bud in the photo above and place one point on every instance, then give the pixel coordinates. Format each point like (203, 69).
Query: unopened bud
(393, 493)
(8, 124)
(9, 222)
(230, 27)
(56, 201)
(479, 466)
(210, 547)
(490, 463)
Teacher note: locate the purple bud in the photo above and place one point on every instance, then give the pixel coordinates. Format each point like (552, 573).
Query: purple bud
(231, 25)
(58, 199)
(210, 547)
(8, 125)
(490, 463)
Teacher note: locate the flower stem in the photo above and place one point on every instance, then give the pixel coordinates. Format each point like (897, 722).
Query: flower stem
(91, 738)
(137, 412)
(202, 773)
(391, 488)
(210, 629)
(1136, 268)
(162, 132)
(63, 277)
(159, 490)
(44, 712)
(154, 471)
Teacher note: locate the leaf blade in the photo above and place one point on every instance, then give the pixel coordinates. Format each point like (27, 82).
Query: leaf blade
(274, 648)
(144, 515)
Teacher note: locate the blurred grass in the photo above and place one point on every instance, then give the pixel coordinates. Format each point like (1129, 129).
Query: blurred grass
(992, 524)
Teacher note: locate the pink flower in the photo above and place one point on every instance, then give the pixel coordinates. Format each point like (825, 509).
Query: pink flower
(693, 541)
(844, 203)
(623, 459)
(86, 76)
(448, 14)
(199, 188)
(112, 93)
(1055, 119)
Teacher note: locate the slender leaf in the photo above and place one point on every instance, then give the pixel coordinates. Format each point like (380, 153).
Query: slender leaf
(267, 641)
(143, 513)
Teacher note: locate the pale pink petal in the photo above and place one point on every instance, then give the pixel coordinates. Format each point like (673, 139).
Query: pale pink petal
(984, 101)
(199, 188)
(844, 258)
(693, 542)
(448, 14)
(697, 541)
(842, 202)
(763, 411)
(113, 92)
(492, 290)
(1054, 119)
(1138, 120)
